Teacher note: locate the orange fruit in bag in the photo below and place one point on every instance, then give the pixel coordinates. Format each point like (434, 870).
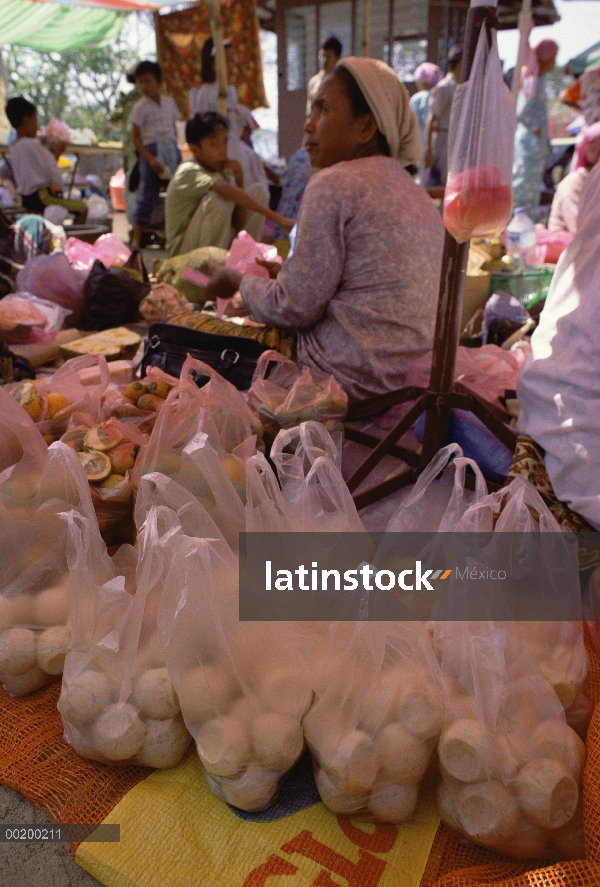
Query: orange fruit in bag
(100, 439)
(96, 465)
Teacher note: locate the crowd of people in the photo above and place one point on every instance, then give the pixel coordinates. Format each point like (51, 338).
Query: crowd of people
(358, 292)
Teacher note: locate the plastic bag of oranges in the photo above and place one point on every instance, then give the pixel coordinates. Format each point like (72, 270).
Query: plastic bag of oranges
(51, 402)
(107, 452)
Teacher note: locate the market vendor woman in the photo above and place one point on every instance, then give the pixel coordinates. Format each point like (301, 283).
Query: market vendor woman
(361, 286)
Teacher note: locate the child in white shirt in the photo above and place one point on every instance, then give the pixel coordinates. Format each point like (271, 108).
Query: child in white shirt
(153, 119)
(34, 167)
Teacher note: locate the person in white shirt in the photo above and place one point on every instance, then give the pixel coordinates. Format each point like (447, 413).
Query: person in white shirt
(559, 385)
(34, 168)
(329, 55)
(205, 100)
(154, 134)
(438, 120)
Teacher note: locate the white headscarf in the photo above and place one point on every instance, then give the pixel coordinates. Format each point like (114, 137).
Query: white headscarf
(388, 100)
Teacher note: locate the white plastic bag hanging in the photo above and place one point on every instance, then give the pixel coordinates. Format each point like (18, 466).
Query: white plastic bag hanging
(439, 498)
(478, 199)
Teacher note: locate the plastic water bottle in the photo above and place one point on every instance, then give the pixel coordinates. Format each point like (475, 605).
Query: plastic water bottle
(521, 240)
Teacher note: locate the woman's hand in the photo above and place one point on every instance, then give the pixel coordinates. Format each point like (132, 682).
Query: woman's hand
(272, 267)
(224, 282)
(236, 307)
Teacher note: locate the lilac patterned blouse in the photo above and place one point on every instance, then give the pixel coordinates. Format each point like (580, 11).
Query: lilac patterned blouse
(361, 287)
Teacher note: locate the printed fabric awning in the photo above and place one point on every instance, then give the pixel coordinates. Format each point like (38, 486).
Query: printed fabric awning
(58, 25)
(50, 27)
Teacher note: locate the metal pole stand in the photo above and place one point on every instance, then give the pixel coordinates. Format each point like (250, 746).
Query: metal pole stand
(443, 394)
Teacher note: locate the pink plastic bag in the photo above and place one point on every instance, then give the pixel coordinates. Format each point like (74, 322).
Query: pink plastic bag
(478, 199)
(551, 245)
(56, 130)
(80, 254)
(109, 249)
(488, 371)
(53, 278)
(242, 257)
(245, 251)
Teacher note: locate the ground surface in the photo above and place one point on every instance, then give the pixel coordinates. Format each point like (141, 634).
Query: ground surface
(31, 864)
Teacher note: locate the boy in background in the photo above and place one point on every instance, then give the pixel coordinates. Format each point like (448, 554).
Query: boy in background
(329, 55)
(154, 134)
(34, 167)
(204, 207)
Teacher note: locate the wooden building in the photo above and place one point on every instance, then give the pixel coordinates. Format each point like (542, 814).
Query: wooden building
(403, 33)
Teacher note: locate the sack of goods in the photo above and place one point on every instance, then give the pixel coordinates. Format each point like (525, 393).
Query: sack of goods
(242, 689)
(51, 403)
(117, 701)
(36, 485)
(511, 761)
(283, 396)
(557, 646)
(374, 728)
(511, 767)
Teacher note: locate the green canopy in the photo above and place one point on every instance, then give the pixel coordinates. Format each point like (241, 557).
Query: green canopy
(49, 27)
(585, 61)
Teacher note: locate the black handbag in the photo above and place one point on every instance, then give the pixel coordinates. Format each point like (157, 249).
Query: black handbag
(233, 357)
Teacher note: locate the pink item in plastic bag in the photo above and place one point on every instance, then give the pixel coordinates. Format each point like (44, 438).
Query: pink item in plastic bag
(551, 245)
(488, 371)
(57, 131)
(53, 278)
(244, 252)
(242, 257)
(476, 203)
(478, 199)
(81, 255)
(109, 249)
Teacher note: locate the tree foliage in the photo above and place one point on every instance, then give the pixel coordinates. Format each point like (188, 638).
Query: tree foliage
(80, 86)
